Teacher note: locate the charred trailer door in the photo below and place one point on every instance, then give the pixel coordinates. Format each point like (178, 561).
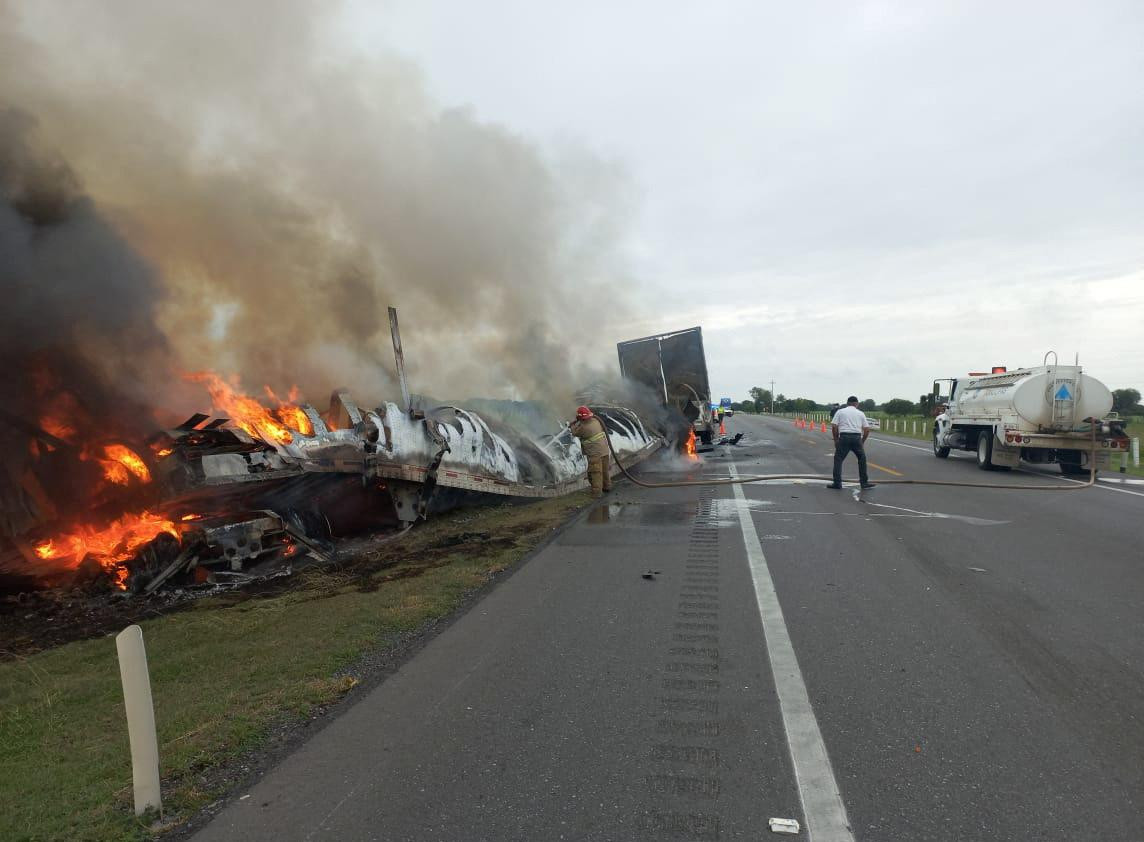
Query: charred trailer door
(673, 365)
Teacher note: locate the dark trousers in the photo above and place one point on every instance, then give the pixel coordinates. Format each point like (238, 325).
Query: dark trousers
(847, 443)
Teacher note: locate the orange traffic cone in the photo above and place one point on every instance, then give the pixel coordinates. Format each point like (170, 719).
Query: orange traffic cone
(722, 429)
(824, 426)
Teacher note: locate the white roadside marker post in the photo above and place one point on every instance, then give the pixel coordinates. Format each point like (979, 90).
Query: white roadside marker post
(140, 719)
(1135, 451)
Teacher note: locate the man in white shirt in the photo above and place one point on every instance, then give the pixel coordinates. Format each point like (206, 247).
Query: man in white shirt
(850, 429)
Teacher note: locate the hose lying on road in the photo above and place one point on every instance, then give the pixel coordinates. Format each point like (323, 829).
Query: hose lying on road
(767, 477)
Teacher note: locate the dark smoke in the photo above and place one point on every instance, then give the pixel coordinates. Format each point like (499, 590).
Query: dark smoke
(78, 337)
(79, 304)
(286, 191)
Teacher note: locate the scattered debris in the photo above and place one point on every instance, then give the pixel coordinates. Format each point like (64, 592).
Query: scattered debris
(978, 569)
(651, 574)
(783, 825)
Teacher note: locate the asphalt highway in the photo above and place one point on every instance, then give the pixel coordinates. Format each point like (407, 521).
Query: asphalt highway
(905, 663)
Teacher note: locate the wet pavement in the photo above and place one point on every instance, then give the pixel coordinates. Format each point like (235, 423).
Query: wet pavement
(969, 663)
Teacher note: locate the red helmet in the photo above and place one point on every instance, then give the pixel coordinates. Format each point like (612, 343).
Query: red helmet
(583, 412)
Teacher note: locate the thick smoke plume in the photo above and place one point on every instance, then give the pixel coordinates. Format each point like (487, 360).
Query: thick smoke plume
(77, 325)
(265, 194)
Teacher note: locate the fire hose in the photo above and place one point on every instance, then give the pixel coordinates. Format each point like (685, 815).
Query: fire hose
(768, 477)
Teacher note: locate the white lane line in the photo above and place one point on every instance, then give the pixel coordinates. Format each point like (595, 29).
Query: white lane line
(822, 805)
(1082, 482)
(1102, 487)
(899, 444)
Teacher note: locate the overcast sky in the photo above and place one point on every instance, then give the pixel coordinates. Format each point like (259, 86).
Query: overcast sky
(848, 197)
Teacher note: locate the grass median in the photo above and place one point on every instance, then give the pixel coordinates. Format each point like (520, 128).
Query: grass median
(230, 671)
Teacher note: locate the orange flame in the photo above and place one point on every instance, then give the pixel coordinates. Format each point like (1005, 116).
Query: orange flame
(295, 417)
(110, 546)
(246, 413)
(162, 448)
(57, 427)
(689, 445)
(61, 413)
(122, 459)
(288, 413)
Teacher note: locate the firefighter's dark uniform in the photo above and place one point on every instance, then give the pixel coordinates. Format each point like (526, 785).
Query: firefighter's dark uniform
(591, 433)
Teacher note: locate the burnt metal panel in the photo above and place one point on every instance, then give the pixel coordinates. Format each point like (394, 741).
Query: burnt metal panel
(193, 421)
(671, 364)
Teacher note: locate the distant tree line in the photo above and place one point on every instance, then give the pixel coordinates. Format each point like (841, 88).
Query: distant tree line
(1124, 401)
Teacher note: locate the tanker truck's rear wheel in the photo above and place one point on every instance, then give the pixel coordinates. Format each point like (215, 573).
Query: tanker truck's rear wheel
(985, 451)
(939, 451)
(1071, 464)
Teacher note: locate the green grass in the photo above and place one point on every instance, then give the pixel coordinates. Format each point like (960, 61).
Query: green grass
(1135, 429)
(910, 426)
(225, 674)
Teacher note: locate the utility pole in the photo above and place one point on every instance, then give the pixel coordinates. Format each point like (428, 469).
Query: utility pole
(772, 397)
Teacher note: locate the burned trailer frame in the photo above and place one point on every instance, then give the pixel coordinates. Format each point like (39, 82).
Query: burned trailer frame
(456, 448)
(230, 499)
(412, 454)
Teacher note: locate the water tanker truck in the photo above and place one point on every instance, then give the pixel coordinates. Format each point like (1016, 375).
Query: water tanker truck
(1045, 414)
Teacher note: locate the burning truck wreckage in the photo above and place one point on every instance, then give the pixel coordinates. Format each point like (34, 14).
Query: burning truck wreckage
(256, 490)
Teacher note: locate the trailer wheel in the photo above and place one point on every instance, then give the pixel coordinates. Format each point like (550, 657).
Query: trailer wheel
(1070, 464)
(985, 451)
(939, 452)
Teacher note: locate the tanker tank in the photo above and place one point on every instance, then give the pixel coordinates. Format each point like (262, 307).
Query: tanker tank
(1056, 398)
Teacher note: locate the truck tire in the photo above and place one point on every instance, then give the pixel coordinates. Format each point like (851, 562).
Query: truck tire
(1070, 464)
(985, 451)
(1071, 469)
(939, 452)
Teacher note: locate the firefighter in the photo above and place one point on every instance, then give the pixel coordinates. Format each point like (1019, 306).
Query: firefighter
(593, 442)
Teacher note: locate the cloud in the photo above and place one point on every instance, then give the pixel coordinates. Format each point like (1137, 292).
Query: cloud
(835, 180)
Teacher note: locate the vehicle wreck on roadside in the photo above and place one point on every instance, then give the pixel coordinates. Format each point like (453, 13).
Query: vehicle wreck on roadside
(228, 500)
